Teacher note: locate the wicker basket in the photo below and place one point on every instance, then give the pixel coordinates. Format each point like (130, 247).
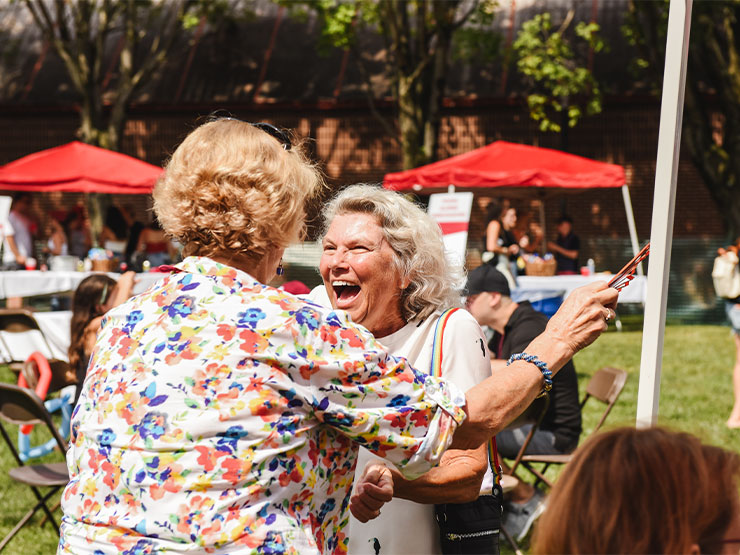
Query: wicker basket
(102, 265)
(540, 267)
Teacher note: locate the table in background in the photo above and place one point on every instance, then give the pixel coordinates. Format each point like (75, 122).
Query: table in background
(534, 288)
(24, 283)
(54, 325)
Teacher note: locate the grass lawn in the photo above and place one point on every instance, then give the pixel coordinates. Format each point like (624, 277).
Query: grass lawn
(696, 396)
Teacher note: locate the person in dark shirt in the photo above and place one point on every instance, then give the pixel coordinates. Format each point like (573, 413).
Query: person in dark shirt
(515, 325)
(566, 247)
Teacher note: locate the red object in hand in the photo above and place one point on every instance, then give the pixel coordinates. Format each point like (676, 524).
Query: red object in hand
(626, 274)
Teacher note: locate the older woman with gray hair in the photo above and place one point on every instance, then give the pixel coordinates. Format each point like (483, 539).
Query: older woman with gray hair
(384, 263)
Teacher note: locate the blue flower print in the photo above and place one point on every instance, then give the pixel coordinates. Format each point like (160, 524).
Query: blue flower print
(133, 318)
(183, 306)
(142, 547)
(274, 544)
(105, 439)
(399, 401)
(326, 506)
(333, 320)
(227, 440)
(152, 425)
(250, 318)
(287, 423)
(338, 419)
(307, 317)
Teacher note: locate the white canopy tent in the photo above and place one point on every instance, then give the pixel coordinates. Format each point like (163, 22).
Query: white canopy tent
(664, 201)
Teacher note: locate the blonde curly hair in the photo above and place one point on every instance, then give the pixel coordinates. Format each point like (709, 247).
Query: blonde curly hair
(416, 240)
(232, 187)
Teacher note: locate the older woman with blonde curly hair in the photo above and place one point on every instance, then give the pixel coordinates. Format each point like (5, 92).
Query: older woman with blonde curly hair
(383, 262)
(222, 415)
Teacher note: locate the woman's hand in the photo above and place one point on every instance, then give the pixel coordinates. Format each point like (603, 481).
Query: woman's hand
(583, 316)
(124, 288)
(373, 490)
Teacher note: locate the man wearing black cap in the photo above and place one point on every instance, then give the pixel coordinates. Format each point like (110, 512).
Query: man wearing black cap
(515, 326)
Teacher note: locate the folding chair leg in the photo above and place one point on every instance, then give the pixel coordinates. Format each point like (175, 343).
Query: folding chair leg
(42, 499)
(22, 522)
(539, 474)
(511, 541)
(54, 508)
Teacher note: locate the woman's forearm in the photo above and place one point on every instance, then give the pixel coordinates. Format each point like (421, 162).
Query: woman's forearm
(494, 403)
(457, 479)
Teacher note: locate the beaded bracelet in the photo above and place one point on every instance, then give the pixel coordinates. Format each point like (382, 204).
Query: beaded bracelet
(539, 364)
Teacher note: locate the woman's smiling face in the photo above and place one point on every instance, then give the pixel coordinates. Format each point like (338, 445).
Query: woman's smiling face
(357, 266)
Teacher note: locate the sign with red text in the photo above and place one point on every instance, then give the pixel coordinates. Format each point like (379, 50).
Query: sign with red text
(452, 212)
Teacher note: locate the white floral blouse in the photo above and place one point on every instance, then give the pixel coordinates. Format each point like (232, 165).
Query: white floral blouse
(220, 415)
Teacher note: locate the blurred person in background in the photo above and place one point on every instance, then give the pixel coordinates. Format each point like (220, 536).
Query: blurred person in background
(643, 491)
(566, 247)
(502, 246)
(56, 239)
(531, 241)
(154, 245)
(77, 227)
(94, 296)
(18, 245)
(515, 325)
(732, 309)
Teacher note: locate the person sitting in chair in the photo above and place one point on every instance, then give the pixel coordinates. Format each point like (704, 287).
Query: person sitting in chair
(515, 325)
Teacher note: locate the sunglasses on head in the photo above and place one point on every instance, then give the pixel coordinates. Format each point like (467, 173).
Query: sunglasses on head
(274, 132)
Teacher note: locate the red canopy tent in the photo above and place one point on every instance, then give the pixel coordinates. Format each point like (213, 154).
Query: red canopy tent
(503, 164)
(79, 168)
(518, 168)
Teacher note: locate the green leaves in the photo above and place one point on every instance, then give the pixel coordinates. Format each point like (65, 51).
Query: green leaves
(558, 80)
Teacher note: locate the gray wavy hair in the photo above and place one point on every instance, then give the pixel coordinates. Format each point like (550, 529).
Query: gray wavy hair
(417, 244)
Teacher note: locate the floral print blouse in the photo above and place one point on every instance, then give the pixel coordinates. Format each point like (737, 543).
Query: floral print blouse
(220, 415)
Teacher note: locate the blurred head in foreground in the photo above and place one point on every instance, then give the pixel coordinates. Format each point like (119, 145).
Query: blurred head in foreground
(644, 491)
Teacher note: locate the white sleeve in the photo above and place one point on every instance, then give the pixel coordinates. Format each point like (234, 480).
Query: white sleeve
(319, 296)
(465, 358)
(7, 228)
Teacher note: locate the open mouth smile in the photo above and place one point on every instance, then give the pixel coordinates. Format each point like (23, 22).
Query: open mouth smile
(345, 292)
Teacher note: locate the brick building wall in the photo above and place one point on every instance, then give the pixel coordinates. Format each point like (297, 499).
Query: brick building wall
(354, 147)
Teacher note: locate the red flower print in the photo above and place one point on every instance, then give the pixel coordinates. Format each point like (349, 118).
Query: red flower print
(352, 336)
(252, 342)
(226, 331)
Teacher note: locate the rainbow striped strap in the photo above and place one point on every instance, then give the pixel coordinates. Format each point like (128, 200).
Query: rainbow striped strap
(436, 371)
(439, 330)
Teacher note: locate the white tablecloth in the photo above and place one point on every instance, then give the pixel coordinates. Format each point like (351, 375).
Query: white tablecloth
(29, 283)
(535, 288)
(55, 327)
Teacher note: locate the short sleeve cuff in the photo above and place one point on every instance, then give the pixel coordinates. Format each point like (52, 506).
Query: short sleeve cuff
(448, 396)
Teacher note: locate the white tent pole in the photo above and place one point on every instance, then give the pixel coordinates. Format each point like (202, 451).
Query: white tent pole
(661, 232)
(631, 224)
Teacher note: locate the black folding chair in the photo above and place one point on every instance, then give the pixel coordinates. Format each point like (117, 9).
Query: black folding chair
(22, 406)
(606, 386)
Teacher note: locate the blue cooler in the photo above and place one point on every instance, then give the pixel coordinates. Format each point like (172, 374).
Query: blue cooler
(546, 302)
